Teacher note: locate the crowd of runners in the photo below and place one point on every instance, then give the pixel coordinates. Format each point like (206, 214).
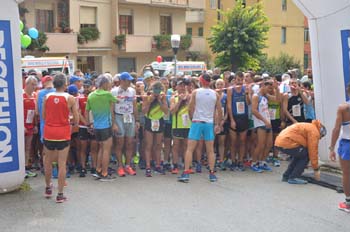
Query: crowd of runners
(175, 124)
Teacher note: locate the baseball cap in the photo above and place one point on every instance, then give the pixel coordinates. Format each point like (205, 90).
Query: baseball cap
(125, 76)
(147, 74)
(184, 81)
(32, 72)
(72, 89)
(74, 79)
(87, 82)
(46, 79)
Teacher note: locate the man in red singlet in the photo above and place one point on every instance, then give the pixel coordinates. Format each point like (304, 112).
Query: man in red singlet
(57, 133)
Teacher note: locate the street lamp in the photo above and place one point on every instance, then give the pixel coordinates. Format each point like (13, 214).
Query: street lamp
(175, 44)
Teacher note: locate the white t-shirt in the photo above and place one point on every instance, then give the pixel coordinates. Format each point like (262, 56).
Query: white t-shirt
(125, 100)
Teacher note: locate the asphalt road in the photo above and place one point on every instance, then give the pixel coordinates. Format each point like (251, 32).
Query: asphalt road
(239, 201)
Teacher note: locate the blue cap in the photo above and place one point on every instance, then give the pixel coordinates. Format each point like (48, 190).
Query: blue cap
(74, 79)
(140, 79)
(72, 89)
(125, 76)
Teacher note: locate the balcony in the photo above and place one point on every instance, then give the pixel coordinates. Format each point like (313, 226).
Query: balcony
(197, 4)
(198, 44)
(137, 43)
(163, 3)
(62, 43)
(195, 16)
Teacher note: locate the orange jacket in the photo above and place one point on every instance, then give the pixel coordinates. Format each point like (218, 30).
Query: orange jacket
(302, 134)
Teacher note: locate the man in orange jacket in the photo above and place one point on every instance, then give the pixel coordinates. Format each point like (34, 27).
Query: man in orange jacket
(300, 141)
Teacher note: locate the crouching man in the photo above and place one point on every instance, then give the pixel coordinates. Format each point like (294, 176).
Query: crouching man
(300, 141)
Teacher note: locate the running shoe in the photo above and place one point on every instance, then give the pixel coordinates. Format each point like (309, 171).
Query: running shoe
(265, 167)
(256, 168)
(68, 174)
(48, 191)
(297, 181)
(233, 166)
(61, 198)
(198, 168)
(284, 179)
(130, 171)
(82, 172)
(175, 171)
(106, 178)
(191, 171)
(185, 177)
(212, 177)
(30, 174)
(148, 172)
(159, 170)
(93, 171)
(121, 172)
(222, 166)
(269, 159)
(247, 163)
(344, 207)
(97, 175)
(276, 162)
(167, 167)
(240, 167)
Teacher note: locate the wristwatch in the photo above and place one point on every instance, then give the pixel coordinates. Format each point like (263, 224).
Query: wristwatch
(331, 148)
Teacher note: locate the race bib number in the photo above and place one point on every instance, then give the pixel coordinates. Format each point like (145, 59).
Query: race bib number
(127, 118)
(272, 114)
(30, 116)
(240, 107)
(185, 120)
(296, 110)
(155, 125)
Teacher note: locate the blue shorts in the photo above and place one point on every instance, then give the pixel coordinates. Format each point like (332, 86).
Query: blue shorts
(201, 130)
(344, 149)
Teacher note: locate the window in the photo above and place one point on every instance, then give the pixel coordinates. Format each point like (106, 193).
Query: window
(87, 16)
(125, 24)
(200, 31)
(212, 4)
(306, 61)
(44, 20)
(306, 35)
(284, 5)
(283, 35)
(165, 25)
(189, 31)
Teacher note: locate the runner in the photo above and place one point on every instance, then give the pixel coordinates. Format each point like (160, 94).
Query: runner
(101, 104)
(180, 122)
(342, 127)
(126, 118)
(262, 124)
(237, 106)
(154, 107)
(203, 104)
(57, 135)
(30, 120)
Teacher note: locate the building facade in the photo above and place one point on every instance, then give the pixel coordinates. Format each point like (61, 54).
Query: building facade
(286, 22)
(126, 29)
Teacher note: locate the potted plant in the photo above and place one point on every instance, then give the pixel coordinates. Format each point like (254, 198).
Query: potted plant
(88, 34)
(119, 40)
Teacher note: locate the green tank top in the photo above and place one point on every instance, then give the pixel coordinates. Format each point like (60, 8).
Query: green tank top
(274, 110)
(181, 119)
(155, 112)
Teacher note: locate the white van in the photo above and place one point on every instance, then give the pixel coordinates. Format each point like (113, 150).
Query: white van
(186, 67)
(49, 64)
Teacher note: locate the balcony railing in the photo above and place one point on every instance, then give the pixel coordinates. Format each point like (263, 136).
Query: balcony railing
(136, 43)
(194, 16)
(180, 3)
(198, 44)
(62, 43)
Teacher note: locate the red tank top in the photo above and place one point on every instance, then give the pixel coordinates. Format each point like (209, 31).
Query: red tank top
(82, 105)
(57, 125)
(29, 110)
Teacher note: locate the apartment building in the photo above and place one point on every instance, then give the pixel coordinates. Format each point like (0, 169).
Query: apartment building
(126, 29)
(286, 22)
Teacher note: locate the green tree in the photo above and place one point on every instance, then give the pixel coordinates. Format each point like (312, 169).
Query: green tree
(278, 65)
(239, 38)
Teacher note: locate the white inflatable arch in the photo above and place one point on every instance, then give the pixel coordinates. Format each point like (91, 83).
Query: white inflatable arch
(329, 28)
(11, 104)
